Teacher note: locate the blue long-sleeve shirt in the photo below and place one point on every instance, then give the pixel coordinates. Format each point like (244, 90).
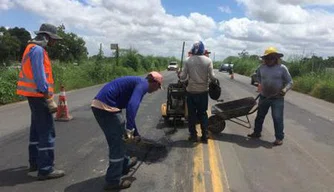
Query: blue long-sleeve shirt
(36, 55)
(125, 93)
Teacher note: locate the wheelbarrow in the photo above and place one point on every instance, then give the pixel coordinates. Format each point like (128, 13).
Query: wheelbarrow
(232, 111)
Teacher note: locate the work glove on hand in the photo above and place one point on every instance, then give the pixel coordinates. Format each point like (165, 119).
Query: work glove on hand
(129, 133)
(132, 135)
(52, 105)
(283, 92)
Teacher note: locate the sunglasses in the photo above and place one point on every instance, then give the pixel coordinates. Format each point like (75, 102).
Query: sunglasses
(270, 58)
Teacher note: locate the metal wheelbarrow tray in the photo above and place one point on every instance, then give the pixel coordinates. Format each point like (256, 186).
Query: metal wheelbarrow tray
(231, 111)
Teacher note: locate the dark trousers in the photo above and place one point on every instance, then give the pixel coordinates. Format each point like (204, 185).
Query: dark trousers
(113, 127)
(42, 136)
(197, 107)
(277, 112)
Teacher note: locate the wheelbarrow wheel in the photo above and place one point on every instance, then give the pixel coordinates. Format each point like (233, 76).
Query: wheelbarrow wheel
(216, 124)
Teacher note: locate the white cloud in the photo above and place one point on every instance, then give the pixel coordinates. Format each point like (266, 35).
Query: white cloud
(285, 24)
(307, 2)
(6, 4)
(145, 26)
(225, 9)
(274, 12)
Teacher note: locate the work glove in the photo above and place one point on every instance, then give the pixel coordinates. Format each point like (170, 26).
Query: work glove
(132, 136)
(52, 105)
(129, 133)
(283, 92)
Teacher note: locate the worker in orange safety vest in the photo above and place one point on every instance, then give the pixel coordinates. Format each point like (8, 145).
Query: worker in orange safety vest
(36, 83)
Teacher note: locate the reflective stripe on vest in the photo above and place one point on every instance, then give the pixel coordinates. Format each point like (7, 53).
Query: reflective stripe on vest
(26, 86)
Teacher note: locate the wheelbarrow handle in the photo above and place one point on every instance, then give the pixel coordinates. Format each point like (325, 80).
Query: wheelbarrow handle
(264, 100)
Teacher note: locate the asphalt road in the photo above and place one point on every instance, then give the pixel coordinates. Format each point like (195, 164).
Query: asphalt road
(229, 162)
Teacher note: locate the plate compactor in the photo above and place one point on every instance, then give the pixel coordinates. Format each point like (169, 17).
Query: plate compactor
(176, 106)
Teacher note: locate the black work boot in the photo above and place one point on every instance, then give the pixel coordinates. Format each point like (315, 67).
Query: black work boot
(32, 168)
(204, 139)
(121, 185)
(192, 138)
(132, 162)
(53, 175)
(254, 135)
(278, 142)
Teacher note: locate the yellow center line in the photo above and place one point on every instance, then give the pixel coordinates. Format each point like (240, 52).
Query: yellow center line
(198, 170)
(216, 178)
(198, 175)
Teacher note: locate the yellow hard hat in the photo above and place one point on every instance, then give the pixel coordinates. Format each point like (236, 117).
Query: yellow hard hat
(272, 50)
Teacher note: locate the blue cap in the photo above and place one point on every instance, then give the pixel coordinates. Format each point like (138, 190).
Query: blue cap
(198, 48)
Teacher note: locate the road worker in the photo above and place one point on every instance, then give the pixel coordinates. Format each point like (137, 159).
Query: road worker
(198, 69)
(36, 83)
(122, 93)
(230, 71)
(275, 81)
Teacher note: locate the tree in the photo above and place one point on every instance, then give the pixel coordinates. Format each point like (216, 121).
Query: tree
(70, 48)
(243, 54)
(132, 59)
(146, 62)
(9, 46)
(254, 57)
(313, 64)
(230, 59)
(100, 55)
(329, 62)
(23, 36)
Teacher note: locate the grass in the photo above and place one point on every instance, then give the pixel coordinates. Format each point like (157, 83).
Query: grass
(87, 73)
(318, 84)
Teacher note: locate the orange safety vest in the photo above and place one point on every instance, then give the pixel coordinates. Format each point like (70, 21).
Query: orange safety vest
(26, 85)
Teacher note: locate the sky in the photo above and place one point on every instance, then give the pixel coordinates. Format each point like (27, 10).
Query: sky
(159, 27)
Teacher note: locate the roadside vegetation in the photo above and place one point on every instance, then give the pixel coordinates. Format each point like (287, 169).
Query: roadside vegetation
(70, 62)
(311, 75)
(73, 68)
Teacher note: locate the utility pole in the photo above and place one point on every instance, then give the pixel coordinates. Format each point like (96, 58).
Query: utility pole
(114, 46)
(100, 54)
(312, 61)
(117, 55)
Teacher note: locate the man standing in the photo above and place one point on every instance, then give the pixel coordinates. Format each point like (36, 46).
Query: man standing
(36, 83)
(198, 69)
(122, 93)
(230, 71)
(275, 81)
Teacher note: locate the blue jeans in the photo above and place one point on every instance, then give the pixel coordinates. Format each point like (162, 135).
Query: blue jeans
(113, 127)
(42, 136)
(277, 109)
(197, 107)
